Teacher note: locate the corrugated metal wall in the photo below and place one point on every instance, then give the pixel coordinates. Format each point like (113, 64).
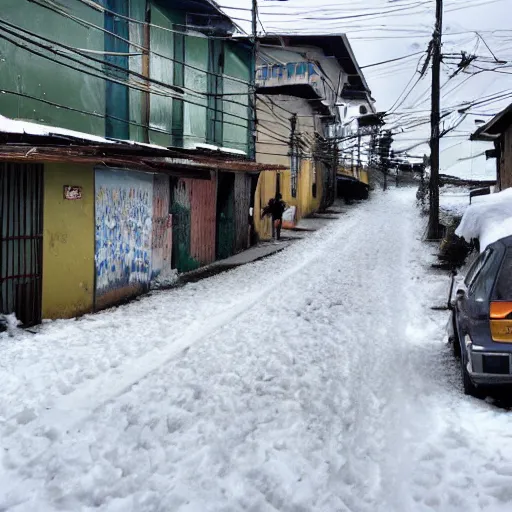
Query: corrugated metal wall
(202, 227)
(180, 208)
(194, 222)
(242, 205)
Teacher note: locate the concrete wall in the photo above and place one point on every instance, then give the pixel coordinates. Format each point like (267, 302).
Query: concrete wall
(68, 242)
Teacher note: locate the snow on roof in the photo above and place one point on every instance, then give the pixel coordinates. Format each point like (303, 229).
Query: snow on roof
(142, 144)
(488, 220)
(232, 151)
(8, 125)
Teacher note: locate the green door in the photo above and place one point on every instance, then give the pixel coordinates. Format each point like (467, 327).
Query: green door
(181, 226)
(225, 216)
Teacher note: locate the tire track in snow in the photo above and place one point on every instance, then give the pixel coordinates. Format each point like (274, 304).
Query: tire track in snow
(72, 410)
(333, 403)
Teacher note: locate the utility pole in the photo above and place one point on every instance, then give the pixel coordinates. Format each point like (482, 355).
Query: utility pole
(358, 152)
(433, 222)
(252, 97)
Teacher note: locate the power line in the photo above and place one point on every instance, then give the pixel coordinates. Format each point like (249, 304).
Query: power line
(391, 60)
(81, 21)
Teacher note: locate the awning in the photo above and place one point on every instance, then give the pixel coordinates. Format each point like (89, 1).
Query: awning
(173, 161)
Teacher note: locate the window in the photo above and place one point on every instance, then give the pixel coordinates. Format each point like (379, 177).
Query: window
(504, 285)
(480, 288)
(277, 71)
(302, 68)
(475, 268)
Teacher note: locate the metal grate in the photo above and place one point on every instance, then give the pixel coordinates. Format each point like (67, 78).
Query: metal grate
(21, 236)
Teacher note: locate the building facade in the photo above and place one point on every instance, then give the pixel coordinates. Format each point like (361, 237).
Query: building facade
(125, 150)
(499, 131)
(304, 84)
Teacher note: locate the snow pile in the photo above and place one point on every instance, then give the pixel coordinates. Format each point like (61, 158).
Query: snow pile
(8, 125)
(453, 201)
(165, 279)
(10, 323)
(488, 220)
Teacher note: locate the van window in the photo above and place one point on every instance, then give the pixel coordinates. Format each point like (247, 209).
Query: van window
(474, 270)
(481, 287)
(503, 289)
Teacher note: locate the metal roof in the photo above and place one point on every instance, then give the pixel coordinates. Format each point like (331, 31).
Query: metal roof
(495, 127)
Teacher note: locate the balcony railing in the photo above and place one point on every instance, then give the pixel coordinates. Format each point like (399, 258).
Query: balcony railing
(293, 73)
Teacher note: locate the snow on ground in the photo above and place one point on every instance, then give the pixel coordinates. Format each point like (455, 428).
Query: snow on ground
(314, 380)
(488, 220)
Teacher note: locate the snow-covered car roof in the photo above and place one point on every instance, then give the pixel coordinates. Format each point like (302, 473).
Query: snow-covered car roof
(488, 219)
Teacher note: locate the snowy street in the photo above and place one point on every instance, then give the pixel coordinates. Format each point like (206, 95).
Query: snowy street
(317, 379)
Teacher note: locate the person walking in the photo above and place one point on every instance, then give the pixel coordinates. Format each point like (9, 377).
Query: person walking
(276, 207)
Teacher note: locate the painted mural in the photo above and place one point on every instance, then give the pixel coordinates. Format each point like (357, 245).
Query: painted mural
(124, 210)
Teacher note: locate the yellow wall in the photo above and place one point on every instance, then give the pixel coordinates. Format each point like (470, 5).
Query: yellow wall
(68, 242)
(265, 190)
(305, 203)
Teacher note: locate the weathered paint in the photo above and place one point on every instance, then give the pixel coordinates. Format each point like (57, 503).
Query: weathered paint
(194, 121)
(137, 99)
(124, 203)
(37, 88)
(161, 246)
(117, 94)
(237, 63)
(160, 65)
(180, 208)
(242, 205)
(225, 215)
(32, 83)
(193, 208)
(68, 242)
(203, 209)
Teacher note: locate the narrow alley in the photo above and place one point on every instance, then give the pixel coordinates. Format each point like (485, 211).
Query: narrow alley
(314, 380)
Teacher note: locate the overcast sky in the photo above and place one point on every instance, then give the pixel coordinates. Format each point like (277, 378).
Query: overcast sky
(385, 29)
